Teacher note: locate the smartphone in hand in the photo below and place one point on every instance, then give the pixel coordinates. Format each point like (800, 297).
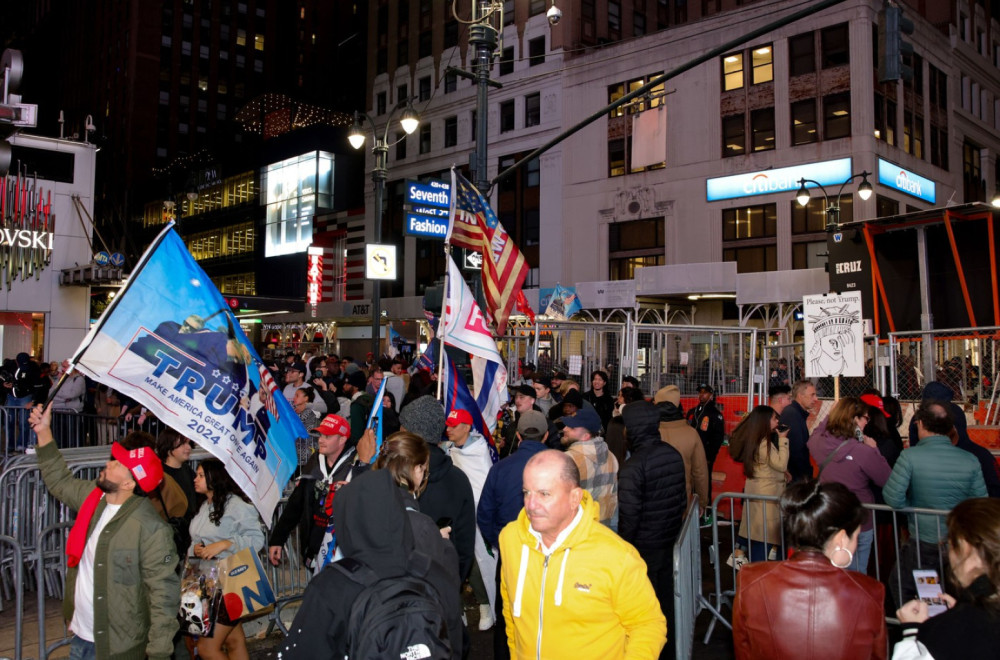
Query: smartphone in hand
(929, 590)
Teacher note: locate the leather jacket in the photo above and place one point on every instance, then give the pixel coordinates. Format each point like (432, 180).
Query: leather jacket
(808, 608)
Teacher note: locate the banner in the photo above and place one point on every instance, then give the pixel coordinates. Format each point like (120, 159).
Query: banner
(457, 396)
(463, 327)
(170, 342)
(834, 335)
(475, 226)
(559, 302)
(649, 137)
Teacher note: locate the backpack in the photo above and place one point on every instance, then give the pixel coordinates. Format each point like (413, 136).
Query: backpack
(398, 617)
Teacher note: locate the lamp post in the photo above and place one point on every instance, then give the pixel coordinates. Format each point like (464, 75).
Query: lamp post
(833, 210)
(408, 121)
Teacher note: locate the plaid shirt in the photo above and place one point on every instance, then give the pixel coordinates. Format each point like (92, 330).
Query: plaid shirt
(598, 475)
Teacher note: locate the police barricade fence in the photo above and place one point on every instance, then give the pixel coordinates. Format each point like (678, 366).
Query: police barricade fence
(784, 364)
(689, 600)
(13, 548)
(965, 359)
(895, 535)
(71, 428)
(577, 347)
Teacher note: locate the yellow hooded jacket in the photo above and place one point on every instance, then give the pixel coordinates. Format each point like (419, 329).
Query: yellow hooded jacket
(588, 599)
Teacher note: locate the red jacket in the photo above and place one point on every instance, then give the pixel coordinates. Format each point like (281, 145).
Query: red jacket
(807, 608)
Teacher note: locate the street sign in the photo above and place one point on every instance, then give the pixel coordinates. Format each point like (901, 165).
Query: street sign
(117, 259)
(430, 210)
(426, 226)
(472, 260)
(435, 193)
(102, 258)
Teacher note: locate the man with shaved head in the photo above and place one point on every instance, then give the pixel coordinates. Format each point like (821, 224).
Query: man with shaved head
(572, 587)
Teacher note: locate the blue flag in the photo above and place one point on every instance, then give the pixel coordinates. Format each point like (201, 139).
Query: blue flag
(170, 342)
(375, 419)
(458, 396)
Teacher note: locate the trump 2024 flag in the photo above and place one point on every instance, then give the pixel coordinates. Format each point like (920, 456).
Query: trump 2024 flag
(170, 342)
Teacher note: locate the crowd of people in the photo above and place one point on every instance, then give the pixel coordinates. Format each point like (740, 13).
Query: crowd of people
(566, 542)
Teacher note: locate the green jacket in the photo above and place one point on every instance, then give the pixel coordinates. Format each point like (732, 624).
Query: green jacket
(136, 590)
(934, 474)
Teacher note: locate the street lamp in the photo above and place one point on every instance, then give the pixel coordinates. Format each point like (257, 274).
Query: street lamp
(833, 210)
(408, 120)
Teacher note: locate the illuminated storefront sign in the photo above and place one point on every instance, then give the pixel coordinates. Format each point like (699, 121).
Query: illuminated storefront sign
(26, 223)
(293, 190)
(894, 176)
(314, 276)
(781, 180)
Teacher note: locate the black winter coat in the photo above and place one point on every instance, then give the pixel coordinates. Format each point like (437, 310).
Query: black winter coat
(652, 495)
(449, 495)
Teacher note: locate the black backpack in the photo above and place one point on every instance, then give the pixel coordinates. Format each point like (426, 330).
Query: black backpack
(398, 617)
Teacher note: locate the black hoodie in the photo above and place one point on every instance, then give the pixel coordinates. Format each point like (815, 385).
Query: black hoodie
(449, 495)
(374, 526)
(652, 492)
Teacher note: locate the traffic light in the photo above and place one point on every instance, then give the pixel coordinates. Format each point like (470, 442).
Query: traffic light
(434, 296)
(892, 49)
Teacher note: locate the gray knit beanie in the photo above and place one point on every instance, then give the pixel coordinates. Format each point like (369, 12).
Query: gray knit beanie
(425, 417)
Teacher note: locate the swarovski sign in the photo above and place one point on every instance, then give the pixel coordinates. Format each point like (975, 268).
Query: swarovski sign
(26, 224)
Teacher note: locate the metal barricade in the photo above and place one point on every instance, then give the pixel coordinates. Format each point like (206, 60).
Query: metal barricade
(688, 598)
(289, 577)
(730, 509)
(69, 428)
(50, 573)
(15, 550)
(784, 364)
(965, 359)
(577, 347)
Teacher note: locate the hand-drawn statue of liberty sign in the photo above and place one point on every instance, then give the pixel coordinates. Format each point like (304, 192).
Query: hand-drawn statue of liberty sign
(834, 335)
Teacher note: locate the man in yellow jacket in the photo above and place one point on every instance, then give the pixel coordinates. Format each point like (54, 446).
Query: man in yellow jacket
(572, 588)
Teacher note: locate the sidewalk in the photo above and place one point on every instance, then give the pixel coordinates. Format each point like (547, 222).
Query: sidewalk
(29, 645)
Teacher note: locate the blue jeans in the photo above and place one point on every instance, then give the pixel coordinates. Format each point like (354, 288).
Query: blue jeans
(860, 563)
(81, 649)
(17, 418)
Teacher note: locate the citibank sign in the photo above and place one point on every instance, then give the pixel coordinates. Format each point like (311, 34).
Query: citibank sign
(781, 180)
(906, 181)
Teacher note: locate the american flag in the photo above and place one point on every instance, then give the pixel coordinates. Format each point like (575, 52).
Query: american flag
(267, 384)
(474, 226)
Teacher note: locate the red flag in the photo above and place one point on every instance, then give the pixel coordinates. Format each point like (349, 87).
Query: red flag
(522, 306)
(474, 226)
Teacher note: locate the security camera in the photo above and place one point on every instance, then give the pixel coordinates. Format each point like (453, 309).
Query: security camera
(89, 124)
(554, 14)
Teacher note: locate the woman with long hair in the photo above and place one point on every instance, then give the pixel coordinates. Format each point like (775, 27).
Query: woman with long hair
(970, 628)
(765, 459)
(809, 606)
(226, 523)
(845, 454)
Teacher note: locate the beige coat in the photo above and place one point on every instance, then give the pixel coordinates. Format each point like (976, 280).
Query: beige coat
(768, 479)
(685, 439)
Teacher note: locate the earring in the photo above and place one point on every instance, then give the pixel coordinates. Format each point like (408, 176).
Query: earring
(850, 557)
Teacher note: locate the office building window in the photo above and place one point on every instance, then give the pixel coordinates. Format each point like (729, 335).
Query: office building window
(450, 131)
(836, 46)
(425, 138)
(507, 116)
(762, 129)
(913, 134)
(732, 71)
(614, 18)
(380, 103)
(813, 217)
(761, 59)
(804, 122)
(400, 146)
(885, 207)
(809, 254)
(620, 123)
(763, 70)
(536, 51)
(752, 258)
(939, 147)
(972, 173)
(938, 87)
(402, 94)
(638, 24)
(837, 116)
(750, 222)
(425, 88)
(507, 61)
(802, 54)
(734, 135)
(885, 119)
(450, 83)
(532, 110)
(634, 244)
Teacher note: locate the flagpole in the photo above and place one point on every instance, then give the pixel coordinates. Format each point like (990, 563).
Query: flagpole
(442, 322)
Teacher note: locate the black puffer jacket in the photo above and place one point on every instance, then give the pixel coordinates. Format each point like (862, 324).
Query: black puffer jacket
(651, 489)
(449, 495)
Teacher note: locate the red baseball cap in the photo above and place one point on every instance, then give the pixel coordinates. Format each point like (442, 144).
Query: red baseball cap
(334, 425)
(143, 463)
(875, 400)
(457, 416)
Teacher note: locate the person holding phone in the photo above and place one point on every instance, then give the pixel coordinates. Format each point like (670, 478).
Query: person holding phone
(970, 628)
(765, 459)
(809, 606)
(846, 455)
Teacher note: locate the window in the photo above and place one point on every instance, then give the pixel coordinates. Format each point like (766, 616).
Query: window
(751, 222)
(507, 116)
(450, 131)
(616, 157)
(424, 85)
(939, 147)
(293, 189)
(532, 110)
(812, 218)
(638, 24)
(400, 146)
(972, 173)
(938, 87)
(732, 71)
(802, 54)
(507, 61)
(241, 37)
(380, 103)
(634, 244)
(804, 122)
(533, 176)
(835, 44)
(536, 51)
(885, 119)
(450, 82)
(258, 42)
(615, 18)
(733, 135)
(425, 138)
(620, 123)
(536, 7)
(450, 32)
(762, 129)
(837, 116)
(424, 44)
(402, 94)
(913, 134)
(508, 12)
(762, 65)
(810, 254)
